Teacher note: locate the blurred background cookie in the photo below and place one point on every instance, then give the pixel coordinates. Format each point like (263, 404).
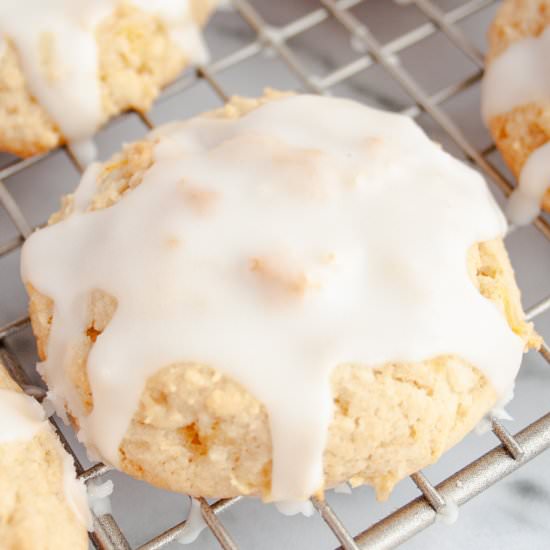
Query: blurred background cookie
(516, 100)
(66, 67)
(42, 504)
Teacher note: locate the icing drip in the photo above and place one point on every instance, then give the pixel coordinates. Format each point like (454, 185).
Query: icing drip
(310, 233)
(524, 204)
(75, 492)
(21, 416)
(295, 507)
(57, 48)
(87, 187)
(84, 151)
(498, 412)
(527, 61)
(194, 524)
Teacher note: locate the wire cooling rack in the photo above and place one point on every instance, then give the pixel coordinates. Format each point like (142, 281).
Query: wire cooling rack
(280, 42)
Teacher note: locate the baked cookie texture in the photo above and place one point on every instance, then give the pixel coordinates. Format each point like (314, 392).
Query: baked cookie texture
(199, 432)
(520, 131)
(137, 57)
(34, 514)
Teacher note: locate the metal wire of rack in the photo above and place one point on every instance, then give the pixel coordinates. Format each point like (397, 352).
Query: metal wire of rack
(514, 450)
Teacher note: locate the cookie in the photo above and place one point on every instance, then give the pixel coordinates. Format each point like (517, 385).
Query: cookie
(66, 68)
(516, 101)
(42, 505)
(274, 298)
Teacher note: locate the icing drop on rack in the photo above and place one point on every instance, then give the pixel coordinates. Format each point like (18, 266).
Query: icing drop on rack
(312, 232)
(194, 524)
(295, 507)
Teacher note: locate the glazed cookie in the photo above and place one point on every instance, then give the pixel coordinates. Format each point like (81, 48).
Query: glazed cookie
(66, 66)
(42, 505)
(276, 297)
(516, 100)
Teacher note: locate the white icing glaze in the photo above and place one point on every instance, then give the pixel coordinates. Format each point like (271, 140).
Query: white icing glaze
(21, 416)
(310, 233)
(449, 513)
(194, 524)
(519, 76)
(58, 52)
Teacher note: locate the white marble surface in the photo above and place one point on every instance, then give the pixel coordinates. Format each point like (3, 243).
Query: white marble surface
(511, 515)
